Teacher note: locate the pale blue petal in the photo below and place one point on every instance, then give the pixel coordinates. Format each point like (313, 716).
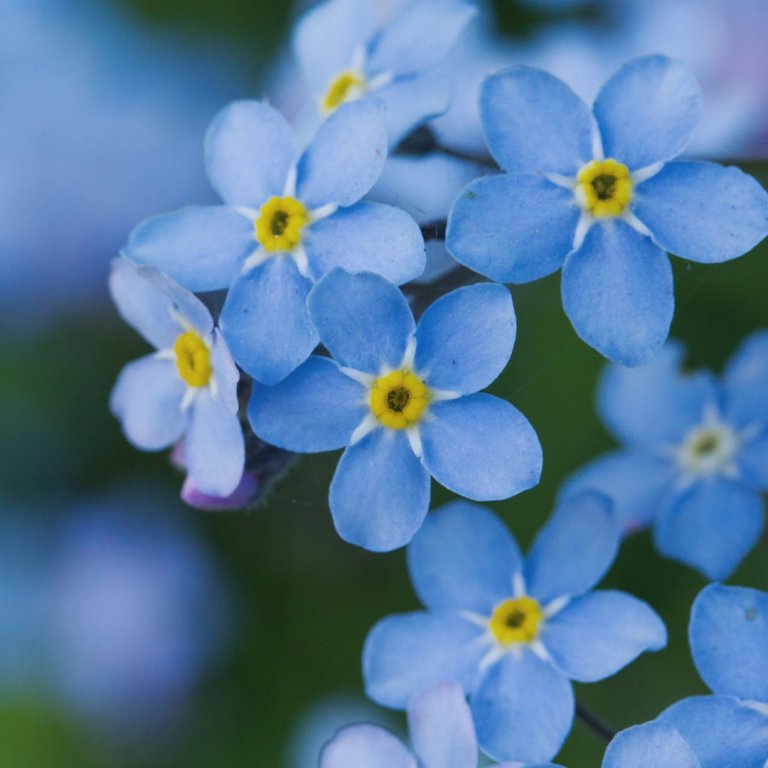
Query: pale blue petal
(464, 339)
(753, 463)
(533, 122)
(512, 228)
(201, 247)
(442, 732)
(729, 637)
(147, 401)
(637, 484)
(647, 111)
(345, 157)
(249, 149)
(315, 408)
(225, 372)
(745, 382)
(265, 320)
(651, 744)
(599, 633)
(721, 731)
(523, 709)
(481, 447)
(711, 527)
(379, 495)
(367, 237)
(463, 558)
(363, 320)
(617, 292)
(702, 211)
(574, 549)
(365, 746)
(406, 653)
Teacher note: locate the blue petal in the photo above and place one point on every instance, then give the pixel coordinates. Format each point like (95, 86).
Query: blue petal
(379, 495)
(651, 744)
(249, 149)
(442, 732)
(365, 746)
(721, 731)
(368, 237)
(201, 247)
(265, 320)
(512, 228)
(599, 633)
(463, 558)
(703, 212)
(403, 47)
(636, 483)
(617, 292)
(729, 638)
(533, 122)
(225, 372)
(523, 709)
(345, 157)
(364, 321)
(481, 447)
(464, 339)
(656, 404)
(147, 401)
(745, 382)
(647, 111)
(406, 653)
(316, 408)
(711, 527)
(753, 463)
(575, 548)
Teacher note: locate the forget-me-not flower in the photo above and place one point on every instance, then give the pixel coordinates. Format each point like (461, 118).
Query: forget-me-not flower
(404, 401)
(287, 219)
(728, 633)
(596, 194)
(187, 388)
(695, 454)
(513, 632)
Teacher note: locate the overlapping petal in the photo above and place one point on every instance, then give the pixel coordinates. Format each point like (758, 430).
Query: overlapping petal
(365, 746)
(657, 744)
(745, 382)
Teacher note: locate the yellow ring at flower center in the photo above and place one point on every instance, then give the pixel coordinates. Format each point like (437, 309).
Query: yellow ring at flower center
(347, 86)
(516, 620)
(193, 359)
(604, 188)
(398, 399)
(280, 223)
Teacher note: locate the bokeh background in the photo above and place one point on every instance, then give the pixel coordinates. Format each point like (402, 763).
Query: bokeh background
(135, 631)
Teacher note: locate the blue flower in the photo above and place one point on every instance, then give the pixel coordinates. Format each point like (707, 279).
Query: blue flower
(728, 633)
(514, 632)
(402, 399)
(391, 61)
(187, 388)
(287, 220)
(695, 455)
(595, 193)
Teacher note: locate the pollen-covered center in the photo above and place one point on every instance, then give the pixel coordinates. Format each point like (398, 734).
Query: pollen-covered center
(708, 449)
(516, 620)
(347, 86)
(193, 359)
(280, 223)
(399, 399)
(604, 188)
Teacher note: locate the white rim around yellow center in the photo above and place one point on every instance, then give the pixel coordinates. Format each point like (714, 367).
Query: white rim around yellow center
(708, 449)
(398, 399)
(348, 85)
(193, 359)
(516, 620)
(604, 188)
(280, 223)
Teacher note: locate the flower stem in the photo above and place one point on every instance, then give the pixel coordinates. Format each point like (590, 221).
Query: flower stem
(594, 723)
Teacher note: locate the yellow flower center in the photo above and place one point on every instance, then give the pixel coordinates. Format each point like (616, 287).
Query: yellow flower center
(280, 222)
(347, 86)
(604, 188)
(193, 359)
(516, 620)
(399, 399)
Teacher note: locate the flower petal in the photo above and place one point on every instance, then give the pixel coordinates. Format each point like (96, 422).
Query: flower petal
(225, 372)
(379, 495)
(617, 292)
(265, 320)
(315, 408)
(363, 320)
(753, 463)
(481, 447)
(745, 382)
(575, 548)
(463, 558)
(534, 123)
(406, 653)
(512, 228)
(367, 237)
(201, 247)
(711, 527)
(365, 746)
(657, 744)
(647, 111)
(523, 709)
(249, 148)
